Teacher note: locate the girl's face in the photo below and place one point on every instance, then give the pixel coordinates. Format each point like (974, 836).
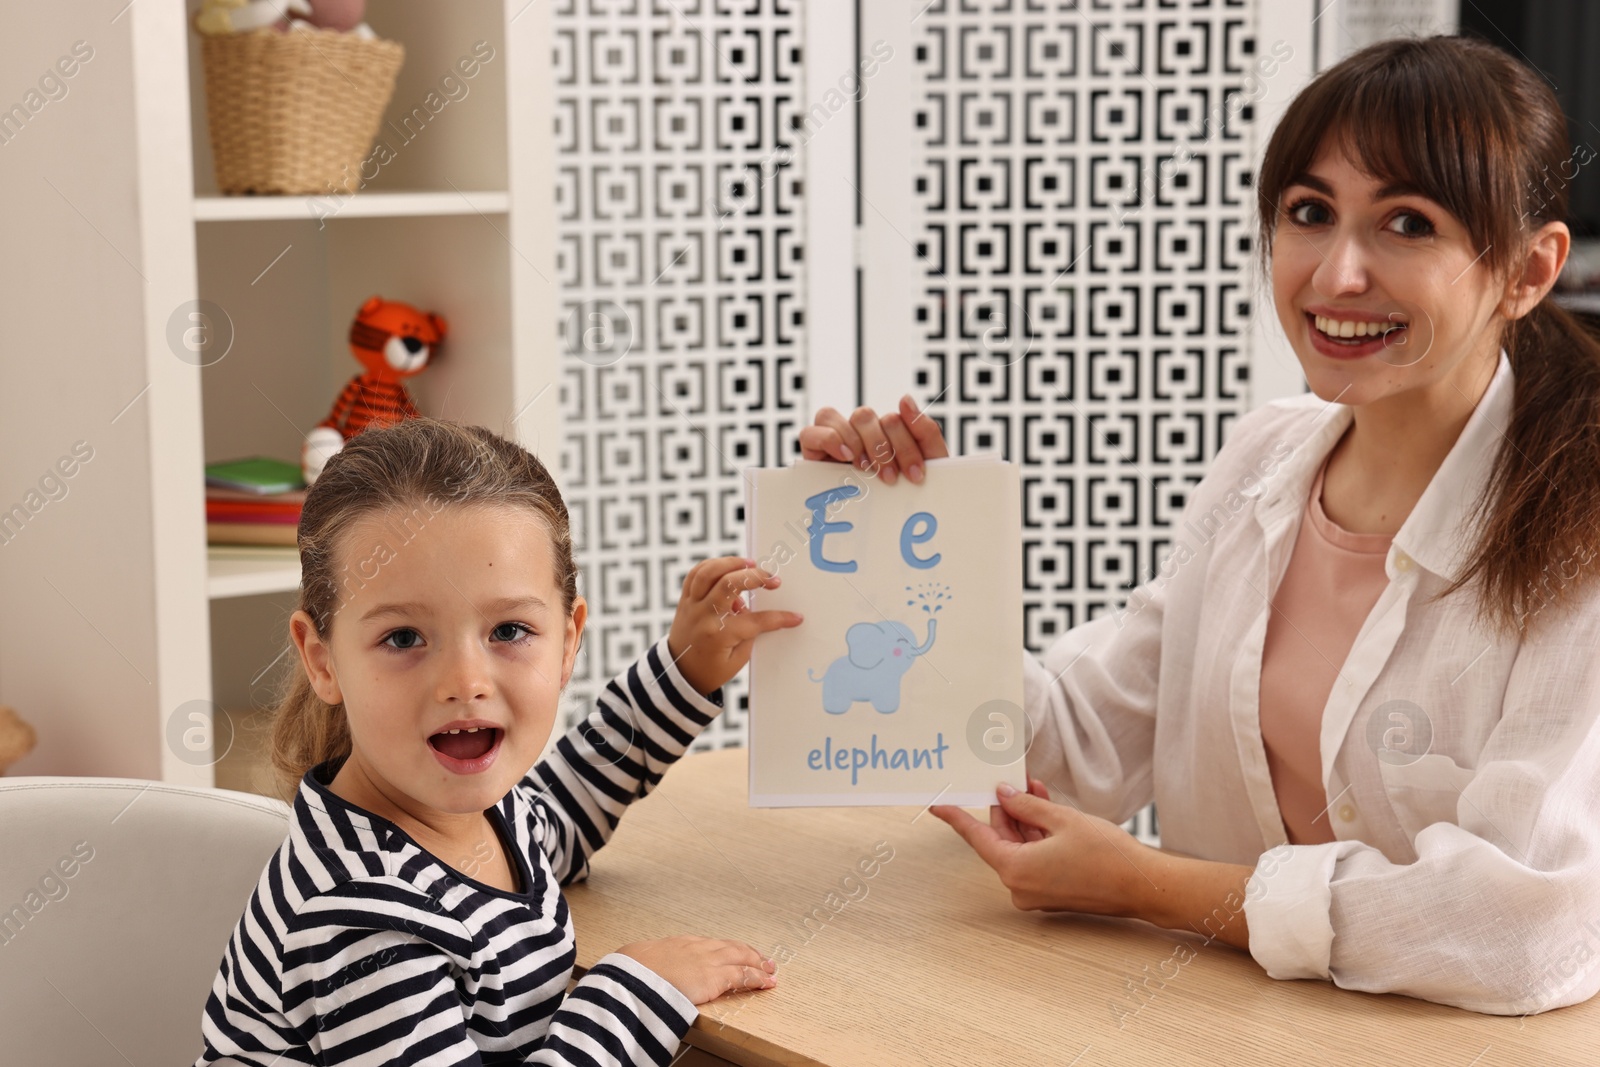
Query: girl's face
(1364, 258)
(460, 626)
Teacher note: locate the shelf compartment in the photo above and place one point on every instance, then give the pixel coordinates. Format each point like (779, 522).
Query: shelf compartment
(248, 570)
(286, 292)
(443, 129)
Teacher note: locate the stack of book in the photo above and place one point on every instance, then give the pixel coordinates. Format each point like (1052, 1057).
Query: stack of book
(253, 501)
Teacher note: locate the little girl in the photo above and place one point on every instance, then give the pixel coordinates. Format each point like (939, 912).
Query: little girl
(414, 914)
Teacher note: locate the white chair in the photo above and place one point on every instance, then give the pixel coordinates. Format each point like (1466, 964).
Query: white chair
(117, 898)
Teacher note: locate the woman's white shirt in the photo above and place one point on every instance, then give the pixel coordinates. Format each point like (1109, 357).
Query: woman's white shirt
(1461, 766)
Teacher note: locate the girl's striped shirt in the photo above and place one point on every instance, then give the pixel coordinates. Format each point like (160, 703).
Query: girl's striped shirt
(359, 947)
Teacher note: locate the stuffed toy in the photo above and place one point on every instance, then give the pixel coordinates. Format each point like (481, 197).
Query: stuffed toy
(392, 341)
(16, 738)
(340, 15)
(239, 16)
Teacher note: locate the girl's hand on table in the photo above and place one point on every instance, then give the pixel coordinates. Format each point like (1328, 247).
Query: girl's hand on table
(896, 443)
(702, 968)
(714, 628)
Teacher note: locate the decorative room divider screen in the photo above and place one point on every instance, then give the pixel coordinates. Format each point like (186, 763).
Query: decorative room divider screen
(1033, 215)
(682, 257)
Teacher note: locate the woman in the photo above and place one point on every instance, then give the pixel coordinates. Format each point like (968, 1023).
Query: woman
(1362, 691)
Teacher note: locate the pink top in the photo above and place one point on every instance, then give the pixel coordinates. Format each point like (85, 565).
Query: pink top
(1333, 579)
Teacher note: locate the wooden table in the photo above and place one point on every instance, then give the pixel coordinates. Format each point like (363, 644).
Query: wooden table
(930, 963)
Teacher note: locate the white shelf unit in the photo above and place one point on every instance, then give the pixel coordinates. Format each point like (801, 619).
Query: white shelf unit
(367, 205)
(459, 221)
(248, 570)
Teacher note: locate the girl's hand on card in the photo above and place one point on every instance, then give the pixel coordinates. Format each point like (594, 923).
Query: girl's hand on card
(703, 969)
(714, 627)
(896, 443)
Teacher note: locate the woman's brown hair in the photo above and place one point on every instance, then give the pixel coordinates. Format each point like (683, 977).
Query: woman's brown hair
(1483, 136)
(406, 473)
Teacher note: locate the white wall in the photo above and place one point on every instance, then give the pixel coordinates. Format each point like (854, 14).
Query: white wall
(87, 288)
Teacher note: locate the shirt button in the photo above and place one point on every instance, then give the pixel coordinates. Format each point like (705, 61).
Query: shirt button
(1347, 813)
(1402, 562)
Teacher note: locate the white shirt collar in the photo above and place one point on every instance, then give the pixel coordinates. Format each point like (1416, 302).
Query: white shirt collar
(1440, 534)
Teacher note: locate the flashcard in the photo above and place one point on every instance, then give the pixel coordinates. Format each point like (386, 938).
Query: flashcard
(904, 684)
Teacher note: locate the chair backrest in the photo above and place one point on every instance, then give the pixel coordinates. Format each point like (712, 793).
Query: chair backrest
(117, 898)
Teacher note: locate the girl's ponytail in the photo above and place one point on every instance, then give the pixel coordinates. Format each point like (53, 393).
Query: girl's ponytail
(305, 732)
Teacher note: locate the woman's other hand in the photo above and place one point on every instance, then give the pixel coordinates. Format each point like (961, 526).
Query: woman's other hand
(895, 443)
(1053, 857)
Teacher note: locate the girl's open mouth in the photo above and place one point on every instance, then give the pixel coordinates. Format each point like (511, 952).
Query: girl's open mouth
(1374, 336)
(466, 751)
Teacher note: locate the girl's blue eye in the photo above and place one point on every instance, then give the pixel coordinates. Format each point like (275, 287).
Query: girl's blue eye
(519, 634)
(398, 633)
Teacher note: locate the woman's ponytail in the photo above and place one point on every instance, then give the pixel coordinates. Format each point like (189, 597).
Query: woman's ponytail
(1541, 509)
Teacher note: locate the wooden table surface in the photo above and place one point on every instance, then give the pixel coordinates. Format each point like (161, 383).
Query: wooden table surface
(926, 962)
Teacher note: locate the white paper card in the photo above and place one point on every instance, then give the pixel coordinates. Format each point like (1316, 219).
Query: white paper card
(904, 684)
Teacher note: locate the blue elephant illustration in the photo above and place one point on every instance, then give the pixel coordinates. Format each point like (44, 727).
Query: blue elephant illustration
(880, 654)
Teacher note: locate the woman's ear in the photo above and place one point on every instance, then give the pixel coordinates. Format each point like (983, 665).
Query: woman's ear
(574, 635)
(316, 657)
(1546, 254)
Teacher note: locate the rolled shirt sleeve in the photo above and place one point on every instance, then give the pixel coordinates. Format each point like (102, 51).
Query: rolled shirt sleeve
(1500, 910)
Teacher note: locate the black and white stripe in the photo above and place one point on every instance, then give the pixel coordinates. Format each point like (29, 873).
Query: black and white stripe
(358, 947)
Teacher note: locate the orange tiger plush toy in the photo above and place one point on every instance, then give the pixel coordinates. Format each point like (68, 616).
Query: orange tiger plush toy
(393, 341)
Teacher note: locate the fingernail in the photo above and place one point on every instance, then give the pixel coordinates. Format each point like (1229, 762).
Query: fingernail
(849, 456)
(914, 472)
(769, 965)
(1006, 789)
(889, 476)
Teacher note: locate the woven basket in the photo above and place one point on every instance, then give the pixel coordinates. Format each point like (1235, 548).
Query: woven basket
(295, 113)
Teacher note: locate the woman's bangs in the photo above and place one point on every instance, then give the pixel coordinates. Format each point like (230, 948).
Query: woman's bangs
(1394, 125)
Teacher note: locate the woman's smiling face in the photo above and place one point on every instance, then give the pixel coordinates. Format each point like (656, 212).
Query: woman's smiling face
(461, 624)
(1355, 255)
